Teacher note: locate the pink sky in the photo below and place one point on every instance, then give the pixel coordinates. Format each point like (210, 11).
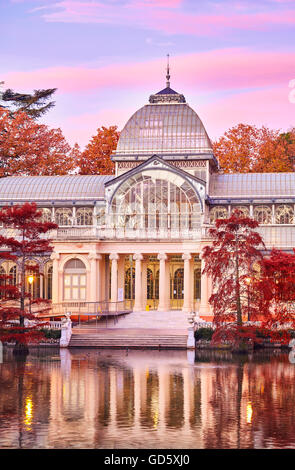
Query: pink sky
(233, 60)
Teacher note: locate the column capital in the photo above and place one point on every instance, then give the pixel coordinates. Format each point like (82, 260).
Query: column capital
(186, 256)
(138, 257)
(54, 255)
(114, 256)
(162, 257)
(93, 255)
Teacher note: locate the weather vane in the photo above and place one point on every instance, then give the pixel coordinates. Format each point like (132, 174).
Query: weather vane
(168, 73)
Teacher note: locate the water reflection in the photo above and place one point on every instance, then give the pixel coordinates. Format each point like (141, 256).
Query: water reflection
(148, 399)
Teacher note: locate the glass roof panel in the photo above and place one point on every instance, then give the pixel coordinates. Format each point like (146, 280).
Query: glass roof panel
(47, 188)
(252, 184)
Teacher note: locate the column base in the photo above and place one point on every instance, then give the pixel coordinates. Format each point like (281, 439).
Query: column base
(186, 309)
(138, 308)
(205, 310)
(163, 308)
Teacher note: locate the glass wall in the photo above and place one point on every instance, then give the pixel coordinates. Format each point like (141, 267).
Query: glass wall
(156, 201)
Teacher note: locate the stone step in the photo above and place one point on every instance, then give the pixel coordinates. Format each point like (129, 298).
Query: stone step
(128, 345)
(126, 338)
(129, 340)
(124, 341)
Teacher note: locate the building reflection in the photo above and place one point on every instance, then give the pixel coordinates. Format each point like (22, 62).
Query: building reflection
(101, 399)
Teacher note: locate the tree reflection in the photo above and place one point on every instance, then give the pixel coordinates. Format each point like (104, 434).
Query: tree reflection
(222, 401)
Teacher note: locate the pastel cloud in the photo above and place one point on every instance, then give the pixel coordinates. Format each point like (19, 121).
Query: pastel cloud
(221, 69)
(166, 16)
(81, 127)
(270, 107)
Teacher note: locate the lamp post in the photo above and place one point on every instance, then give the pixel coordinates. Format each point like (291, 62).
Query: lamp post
(248, 281)
(30, 281)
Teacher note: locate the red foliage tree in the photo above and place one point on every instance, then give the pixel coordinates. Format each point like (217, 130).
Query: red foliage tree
(28, 242)
(229, 260)
(277, 289)
(29, 148)
(96, 158)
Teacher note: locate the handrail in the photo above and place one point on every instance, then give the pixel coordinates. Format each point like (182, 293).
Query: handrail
(100, 308)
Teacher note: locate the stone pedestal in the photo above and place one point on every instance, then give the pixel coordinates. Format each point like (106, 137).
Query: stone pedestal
(191, 338)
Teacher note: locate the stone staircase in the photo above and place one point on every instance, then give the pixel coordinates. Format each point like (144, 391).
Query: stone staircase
(124, 340)
(137, 330)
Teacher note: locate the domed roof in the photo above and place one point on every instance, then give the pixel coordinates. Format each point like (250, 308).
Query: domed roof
(166, 125)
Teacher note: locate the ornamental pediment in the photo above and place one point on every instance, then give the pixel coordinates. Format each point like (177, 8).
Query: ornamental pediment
(155, 167)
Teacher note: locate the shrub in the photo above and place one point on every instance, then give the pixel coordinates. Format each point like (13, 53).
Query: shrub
(51, 334)
(204, 333)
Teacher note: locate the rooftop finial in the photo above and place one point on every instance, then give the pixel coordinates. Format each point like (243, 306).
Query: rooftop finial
(168, 73)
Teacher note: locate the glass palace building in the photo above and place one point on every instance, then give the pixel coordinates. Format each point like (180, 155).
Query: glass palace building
(138, 235)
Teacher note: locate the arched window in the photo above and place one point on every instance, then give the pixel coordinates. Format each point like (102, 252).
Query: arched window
(84, 216)
(2, 281)
(75, 280)
(262, 214)
(155, 201)
(63, 216)
(284, 214)
(34, 287)
(48, 270)
(244, 210)
(12, 274)
(46, 214)
(218, 212)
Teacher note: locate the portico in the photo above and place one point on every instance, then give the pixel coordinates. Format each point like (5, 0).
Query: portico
(162, 281)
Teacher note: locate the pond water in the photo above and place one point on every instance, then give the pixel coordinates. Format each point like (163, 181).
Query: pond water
(111, 399)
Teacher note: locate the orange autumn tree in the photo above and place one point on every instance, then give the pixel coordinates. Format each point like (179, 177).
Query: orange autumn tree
(96, 158)
(249, 149)
(29, 148)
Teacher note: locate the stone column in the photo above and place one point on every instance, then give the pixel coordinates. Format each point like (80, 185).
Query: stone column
(163, 294)
(144, 283)
(55, 291)
(42, 283)
(121, 276)
(95, 259)
(204, 305)
(187, 298)
(138, 286)
(114, 257)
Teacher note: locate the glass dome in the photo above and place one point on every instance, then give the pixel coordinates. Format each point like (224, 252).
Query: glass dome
(164, 127)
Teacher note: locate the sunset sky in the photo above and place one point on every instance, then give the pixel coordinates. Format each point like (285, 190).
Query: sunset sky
(233, 60)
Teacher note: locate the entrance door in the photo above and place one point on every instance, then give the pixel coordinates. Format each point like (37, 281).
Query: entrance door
(177, 289)
(153, 286)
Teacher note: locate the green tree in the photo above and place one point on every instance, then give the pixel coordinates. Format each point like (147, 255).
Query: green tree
(33, 104)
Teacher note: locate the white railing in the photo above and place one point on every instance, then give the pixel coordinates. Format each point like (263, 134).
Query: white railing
(280, 236)
(122, 233)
